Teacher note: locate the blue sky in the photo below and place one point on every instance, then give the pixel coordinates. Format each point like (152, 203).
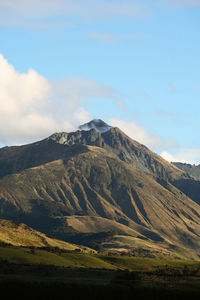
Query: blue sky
(134, 64)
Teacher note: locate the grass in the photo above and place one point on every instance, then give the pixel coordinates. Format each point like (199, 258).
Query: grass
(23, 255)
(73, 260)
(139, 264)
(46, 275)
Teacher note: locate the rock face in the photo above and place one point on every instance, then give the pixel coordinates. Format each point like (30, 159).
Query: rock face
(117, 142)
(94, 182)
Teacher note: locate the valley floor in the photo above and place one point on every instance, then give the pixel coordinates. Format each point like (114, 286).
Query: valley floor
(27, 273)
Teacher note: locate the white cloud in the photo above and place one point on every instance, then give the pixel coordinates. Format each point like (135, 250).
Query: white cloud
(82, 116)
(139, 134)
(19, 91)
(185, 155)
(23, 101)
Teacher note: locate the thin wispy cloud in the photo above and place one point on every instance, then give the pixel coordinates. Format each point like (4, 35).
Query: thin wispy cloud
(172, 89)
(78, 90)
(162, 112)
(144, 94)
(102, 37)
(21, 12)
(184, 3)
(111, 38)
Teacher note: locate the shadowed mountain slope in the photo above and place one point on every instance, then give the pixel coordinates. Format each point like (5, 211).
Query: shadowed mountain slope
(193, 170)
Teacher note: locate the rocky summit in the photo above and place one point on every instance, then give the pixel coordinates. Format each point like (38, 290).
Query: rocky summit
(98, 187)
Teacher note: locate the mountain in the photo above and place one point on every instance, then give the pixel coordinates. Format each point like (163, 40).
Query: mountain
(192, 170)
(130, 151)
(101, 186)
(116, 142)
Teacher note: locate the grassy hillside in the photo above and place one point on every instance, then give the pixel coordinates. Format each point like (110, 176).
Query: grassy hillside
(19, 255)
(24, 256)
(19, 234)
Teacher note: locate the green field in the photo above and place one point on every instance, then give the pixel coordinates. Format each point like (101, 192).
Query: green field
(20, 255)
(25, 255)
(42, 274)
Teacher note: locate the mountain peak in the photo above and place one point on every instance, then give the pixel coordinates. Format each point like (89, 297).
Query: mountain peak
(97, 124)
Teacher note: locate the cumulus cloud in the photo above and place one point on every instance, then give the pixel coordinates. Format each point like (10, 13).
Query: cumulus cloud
(32, 107)
(139, 134)
(21, 12)
(23, 99)
(184, 155)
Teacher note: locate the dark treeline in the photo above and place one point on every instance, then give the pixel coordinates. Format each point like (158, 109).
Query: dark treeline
(18, 289)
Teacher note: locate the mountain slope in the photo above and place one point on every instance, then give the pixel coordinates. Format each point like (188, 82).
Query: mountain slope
(16, 159)
(96, 183)
(135, 154)
(19, 234)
